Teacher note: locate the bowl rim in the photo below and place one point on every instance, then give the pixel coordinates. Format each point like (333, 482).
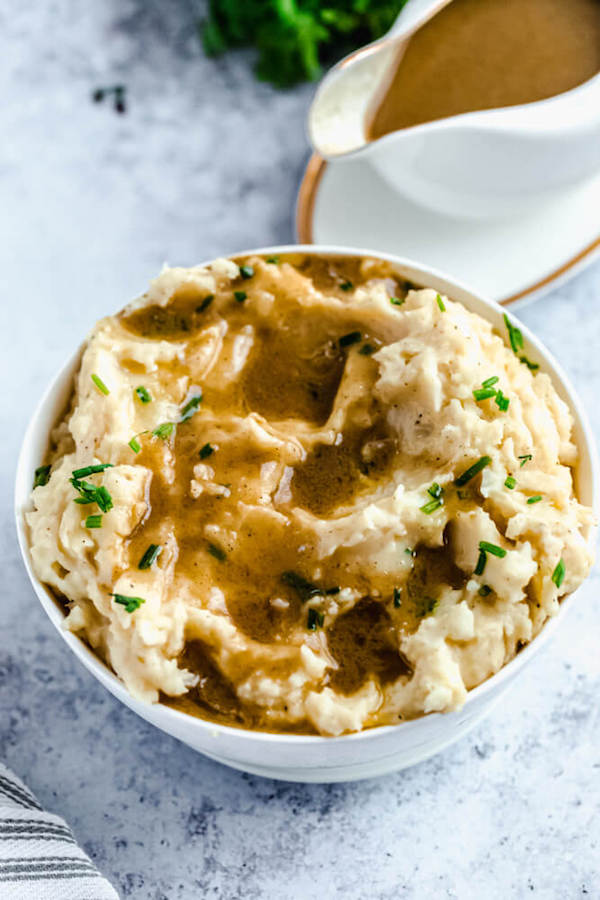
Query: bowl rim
(161, 715)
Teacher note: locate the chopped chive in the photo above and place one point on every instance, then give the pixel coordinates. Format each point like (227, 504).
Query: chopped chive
(485, 590)
(440, 303)
(494, 549)
(501, 401)
(481, 561)
(93, 521)
(332, 591)
(304, 588)
(514, 335)
(427, 606)
(150, 556)
(240, 296)
(103, 499)
(164, 431)
(472, 471)
(483, 394)
(527, 457)
(130, 603)
(367, 349)
(100, 384)
(510, 482)
(409, 551)
(558, 576)
(134, 444)
(397, 301)
(490, 381)
(273, 260)
(535, 499)
(532, 366)
(190, 408)
(397, 597)
(143, 394)
(246, 271)
(315, 619)
(42, 476)
(217, 552)
(90, 470)
(346, 285)
(351, 338)
(205, 303)
(206, 451)
(435, 491)
(431, 506)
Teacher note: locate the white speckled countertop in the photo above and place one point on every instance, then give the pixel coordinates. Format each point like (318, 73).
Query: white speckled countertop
(207, 161)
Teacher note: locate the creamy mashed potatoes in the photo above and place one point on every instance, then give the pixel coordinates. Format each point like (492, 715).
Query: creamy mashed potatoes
(296, 494)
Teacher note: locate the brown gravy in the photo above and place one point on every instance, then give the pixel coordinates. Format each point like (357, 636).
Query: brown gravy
(488, 54)
(293, 372)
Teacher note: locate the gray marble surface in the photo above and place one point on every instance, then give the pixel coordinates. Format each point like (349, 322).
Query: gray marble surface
(207, 161)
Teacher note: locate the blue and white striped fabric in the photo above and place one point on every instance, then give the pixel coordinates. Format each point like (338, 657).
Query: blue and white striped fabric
(39, 857)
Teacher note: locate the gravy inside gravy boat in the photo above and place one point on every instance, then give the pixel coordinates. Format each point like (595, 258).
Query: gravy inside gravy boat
(471, 107)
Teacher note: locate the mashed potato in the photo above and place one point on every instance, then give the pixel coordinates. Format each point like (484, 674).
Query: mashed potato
(297, 494)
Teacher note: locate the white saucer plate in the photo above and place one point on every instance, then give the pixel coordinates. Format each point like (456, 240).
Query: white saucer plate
(511, 261)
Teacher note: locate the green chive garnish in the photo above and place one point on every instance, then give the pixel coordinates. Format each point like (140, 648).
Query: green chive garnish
(143, 394)
(501, 401)
(510, 482)
(130, 603)
(42, 476)
(100, 384)
(346, 285)
(435, 490)
(397, 301)
(527, 457)
(164, 431)
(481, 561)
(535, 499)
(472, 471)
(90, 470)
(367, 349)
(532, 366)
(305, 589)
(190, 408)
(409, 551)
(240, 296)
(558, 576)
(135, 445)
(426, 606)
(483, 394)
(485, 590)
(246, 271)
(93, 522)
(273, 260)
(514, 335)
(205, 303)
(431, 506)
(397, 598)
(315, 619)
(206, 451)
(217, 552)
(332, 591)
(351, 338)
(440, 303)
(150, 556)
(490, 381)
(494, 549)
(103, 499)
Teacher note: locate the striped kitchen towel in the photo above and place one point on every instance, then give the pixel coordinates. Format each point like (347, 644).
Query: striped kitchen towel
(39, 857)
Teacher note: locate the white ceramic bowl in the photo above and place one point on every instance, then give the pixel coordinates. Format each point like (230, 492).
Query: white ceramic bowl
(298, 757)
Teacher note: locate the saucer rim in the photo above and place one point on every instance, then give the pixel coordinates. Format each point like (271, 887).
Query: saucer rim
(304, 227)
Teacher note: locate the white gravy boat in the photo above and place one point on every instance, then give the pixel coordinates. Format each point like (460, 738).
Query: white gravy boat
(490, 163)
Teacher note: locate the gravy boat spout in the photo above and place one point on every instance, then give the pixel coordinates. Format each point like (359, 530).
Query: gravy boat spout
(480, 164)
